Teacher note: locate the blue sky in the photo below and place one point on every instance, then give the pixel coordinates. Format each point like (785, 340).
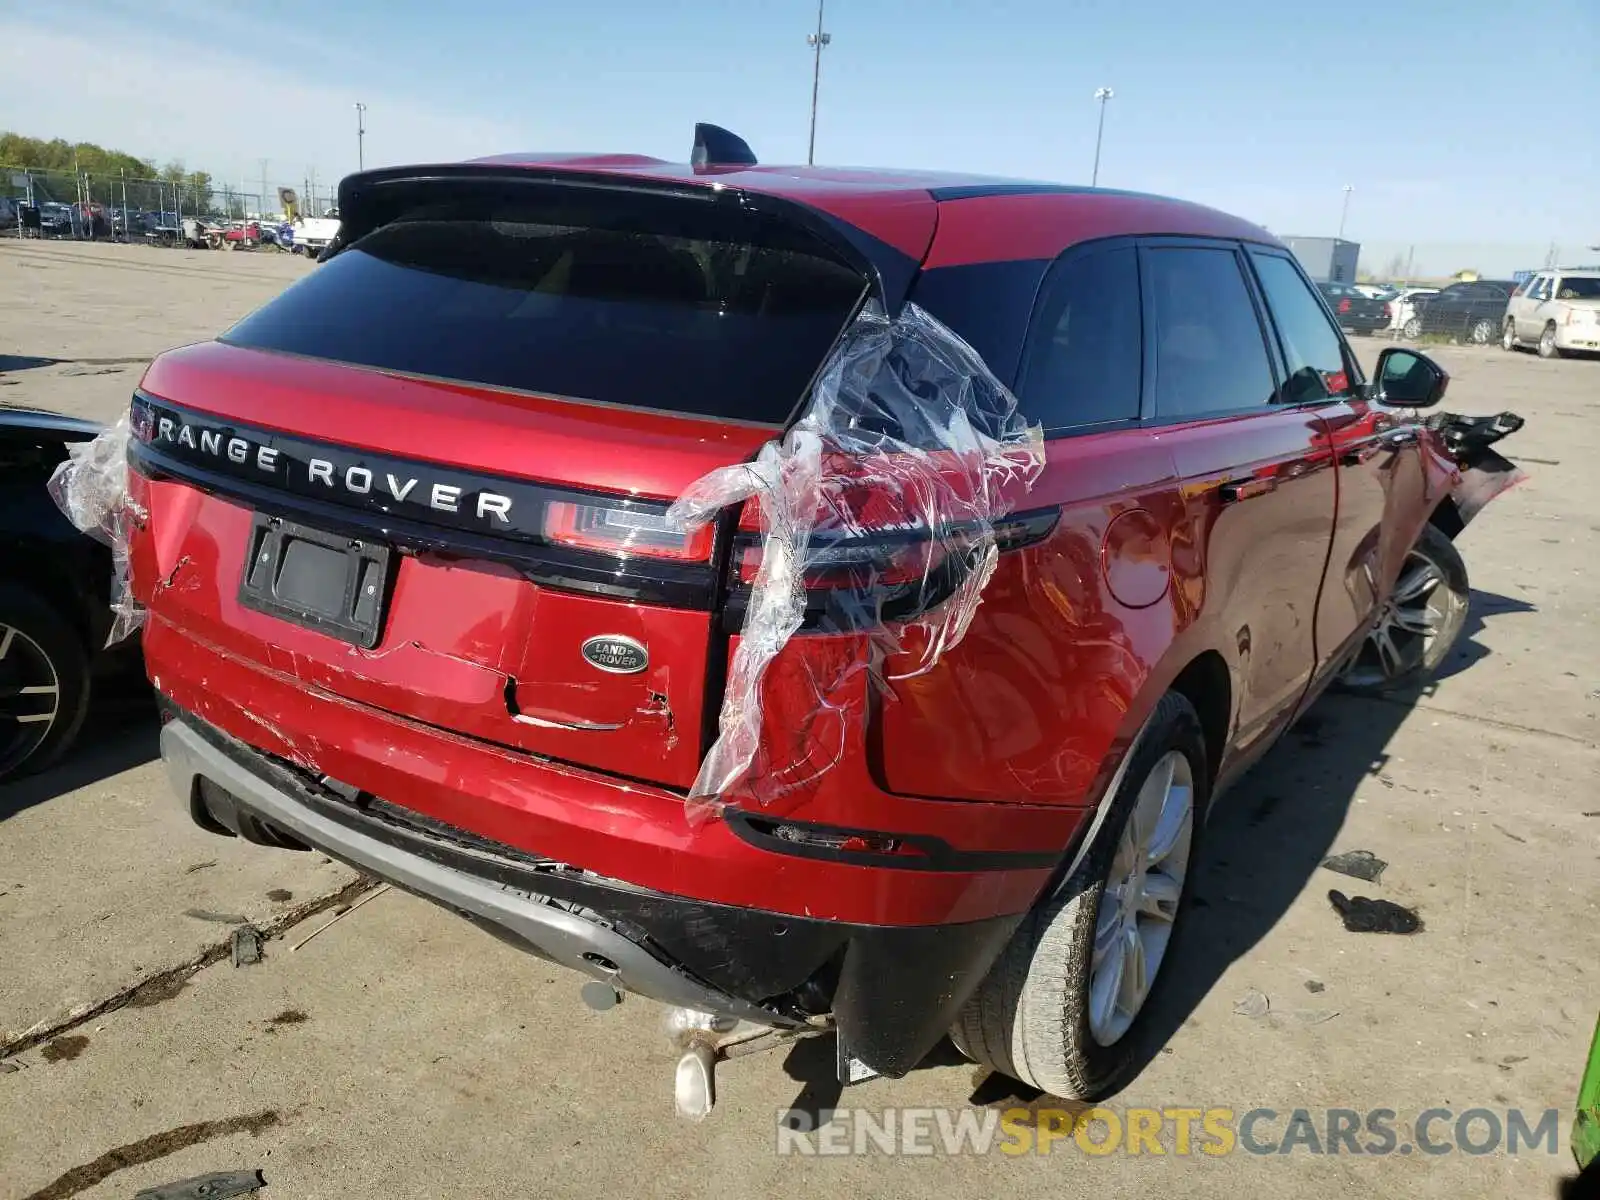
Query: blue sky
(1467, 127)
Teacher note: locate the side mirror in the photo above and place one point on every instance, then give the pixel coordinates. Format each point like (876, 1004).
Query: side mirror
(1406, 379)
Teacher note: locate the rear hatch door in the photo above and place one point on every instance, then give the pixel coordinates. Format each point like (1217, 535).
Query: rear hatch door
(430, 477)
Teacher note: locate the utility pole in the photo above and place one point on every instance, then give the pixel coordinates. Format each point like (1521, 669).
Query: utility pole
(1102, 95)
(263, 205)
(816, 41)
(1345, 211)
(361, 136)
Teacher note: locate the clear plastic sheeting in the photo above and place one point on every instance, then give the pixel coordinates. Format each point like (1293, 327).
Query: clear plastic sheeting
(91, 488)
(875, 519)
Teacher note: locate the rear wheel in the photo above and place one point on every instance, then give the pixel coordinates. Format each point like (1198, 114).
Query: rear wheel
(1419, 624)
(1412, 328)
(1065, 1006)
(1481, 333)
(1508, 335)
(1547, 342)
(44, 682)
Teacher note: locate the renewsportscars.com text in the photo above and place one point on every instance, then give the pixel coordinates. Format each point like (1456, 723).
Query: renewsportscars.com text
(1176, 1131)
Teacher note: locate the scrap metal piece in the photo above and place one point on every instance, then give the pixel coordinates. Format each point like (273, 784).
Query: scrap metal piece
(217, 1186)
(1362, 914)
(247, 945)
(1358, 864)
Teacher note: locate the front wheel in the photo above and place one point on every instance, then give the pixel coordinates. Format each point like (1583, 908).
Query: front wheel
(1065, 1006)
(1481, 333)
(1419, 624)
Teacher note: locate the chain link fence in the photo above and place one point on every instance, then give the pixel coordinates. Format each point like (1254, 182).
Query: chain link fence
(192, 210)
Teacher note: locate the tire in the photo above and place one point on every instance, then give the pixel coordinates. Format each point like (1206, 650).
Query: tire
(1481, 333)
(1508, 335)
(1412, 329)
(1031, 1016)
(1547, 342)
(1410, 660)
(38, 650)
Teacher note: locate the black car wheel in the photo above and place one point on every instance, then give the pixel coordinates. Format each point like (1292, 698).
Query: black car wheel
(44, 682)
(1481, 333)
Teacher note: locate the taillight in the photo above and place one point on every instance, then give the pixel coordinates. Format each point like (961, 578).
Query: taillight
(1388, 312)
(620, 527)
(1344, 305)
(858, 579)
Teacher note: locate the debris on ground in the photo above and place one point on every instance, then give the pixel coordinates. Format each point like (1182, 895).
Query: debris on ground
(247, 945)
(1315, 985)
(8, 1068)
(1314, 1016)
(1253, 1004)
(217, 1186)
(1358, 864)
(220, 918)
(340, 915)
(1362, 914)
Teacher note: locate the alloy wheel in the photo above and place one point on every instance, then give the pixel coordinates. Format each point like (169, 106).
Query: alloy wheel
(1508, 337)
(1140, 902)
(1407, 624)
(1547, 342)
(1482, 333)
(30, 696)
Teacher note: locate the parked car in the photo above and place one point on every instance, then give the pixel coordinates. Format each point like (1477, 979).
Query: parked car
(1557, 311)
(1474, 312)
(56, 220)
(1355, 311)
(416, 600)
(1402, 306)
(54, 595)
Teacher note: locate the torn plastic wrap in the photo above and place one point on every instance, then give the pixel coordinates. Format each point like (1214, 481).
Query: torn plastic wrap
(91, 488)
(874, 520)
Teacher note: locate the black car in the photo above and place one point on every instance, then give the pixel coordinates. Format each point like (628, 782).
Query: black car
(55, 588)
(1355, 311)
(1473, 312)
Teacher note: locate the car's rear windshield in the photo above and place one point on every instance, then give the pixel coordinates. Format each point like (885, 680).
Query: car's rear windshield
(1578, 287)
(687, 324)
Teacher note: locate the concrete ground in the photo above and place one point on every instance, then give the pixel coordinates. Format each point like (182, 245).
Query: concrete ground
(401, 1053)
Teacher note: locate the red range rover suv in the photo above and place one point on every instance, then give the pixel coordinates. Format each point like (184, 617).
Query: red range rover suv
(414, 597)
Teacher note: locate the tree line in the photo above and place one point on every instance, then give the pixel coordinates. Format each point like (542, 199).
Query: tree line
(104, 172)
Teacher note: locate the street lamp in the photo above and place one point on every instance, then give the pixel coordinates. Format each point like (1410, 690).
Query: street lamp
(1102, 95)
(1345, 210)
(816, 41)
(361, 135)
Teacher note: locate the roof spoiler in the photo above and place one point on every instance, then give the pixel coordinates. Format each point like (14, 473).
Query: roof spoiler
(374, 197)
(714, 146)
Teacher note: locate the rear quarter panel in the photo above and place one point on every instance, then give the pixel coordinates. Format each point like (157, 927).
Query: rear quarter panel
(1075, 641)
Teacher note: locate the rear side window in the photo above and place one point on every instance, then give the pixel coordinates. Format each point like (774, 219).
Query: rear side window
(618, 316)
(1311, 345)
(1085, 350)
(1210, 355)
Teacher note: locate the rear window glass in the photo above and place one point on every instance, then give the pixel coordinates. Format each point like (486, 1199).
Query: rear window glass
(684, 324)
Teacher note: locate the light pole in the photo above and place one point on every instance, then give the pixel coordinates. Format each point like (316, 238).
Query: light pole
(816, 41)
(361, 136)
(1102, 95)
(1345, 210)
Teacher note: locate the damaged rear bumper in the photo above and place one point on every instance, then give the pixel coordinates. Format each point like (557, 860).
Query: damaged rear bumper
(892, 990)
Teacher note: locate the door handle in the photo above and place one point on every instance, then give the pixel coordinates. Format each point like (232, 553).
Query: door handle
(1242, 489)
(1399, 438)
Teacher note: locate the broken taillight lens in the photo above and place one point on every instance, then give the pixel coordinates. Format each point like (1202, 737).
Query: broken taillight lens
(624, 528)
